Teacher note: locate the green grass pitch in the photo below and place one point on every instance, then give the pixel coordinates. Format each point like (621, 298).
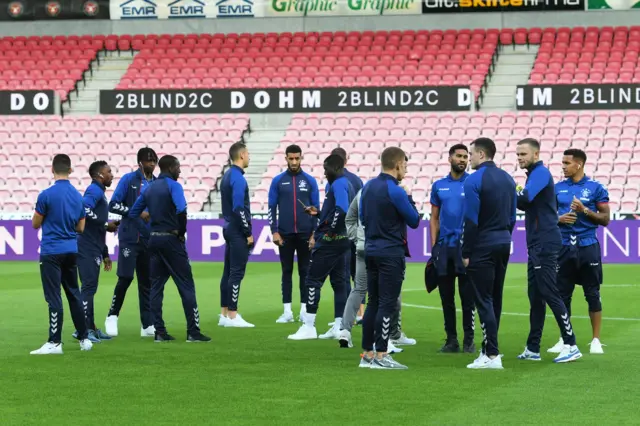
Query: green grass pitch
(258, 377)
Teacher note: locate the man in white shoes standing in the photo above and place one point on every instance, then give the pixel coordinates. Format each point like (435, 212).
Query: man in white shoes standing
(544, 242)
(329, 251)
(292, 228)
(60, 213)
(236, 210)
(489, 219)
(133, 237)
(583, 205)
(355, 231)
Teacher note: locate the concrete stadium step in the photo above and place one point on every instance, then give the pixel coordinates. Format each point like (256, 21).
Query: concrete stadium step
(108, 69)
(512, 68)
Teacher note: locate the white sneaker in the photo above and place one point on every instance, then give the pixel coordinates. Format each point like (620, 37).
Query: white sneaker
(596, 347)
(285, 318)
(404, 341)
(49, 348)
(111, 325)
(557, 348)
(486, 363)
(85, 345)
(331, 324)
(392, 349)
(345, 339)
(529, 356)
(238, 322)
(481, 358)
(333, 333)
(148, 332)
(222, 320)
(305, 332)
(568, 354)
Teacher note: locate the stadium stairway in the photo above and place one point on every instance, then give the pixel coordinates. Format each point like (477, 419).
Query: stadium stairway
(513, 66)
(108, 69)
(264, 136)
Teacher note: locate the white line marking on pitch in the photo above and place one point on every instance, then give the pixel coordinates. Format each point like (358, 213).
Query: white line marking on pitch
(517, 314)
(525, 287)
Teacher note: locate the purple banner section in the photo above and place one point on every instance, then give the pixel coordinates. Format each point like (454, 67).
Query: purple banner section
(620, 242)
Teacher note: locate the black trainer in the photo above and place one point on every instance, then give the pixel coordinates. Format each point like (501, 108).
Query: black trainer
(197, 337)
(469, 346)
(163, 337)
(451, 346)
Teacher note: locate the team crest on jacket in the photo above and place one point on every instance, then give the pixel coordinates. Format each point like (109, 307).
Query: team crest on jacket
(302, 186)
(585, 194)
(126, 252)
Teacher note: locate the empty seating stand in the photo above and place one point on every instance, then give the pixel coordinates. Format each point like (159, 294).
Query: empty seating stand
(46, 63)
(326, 59)
(580, 55)
(27, 146)
(609, 138)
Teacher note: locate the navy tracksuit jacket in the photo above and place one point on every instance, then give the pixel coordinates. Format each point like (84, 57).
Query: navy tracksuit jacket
(385, 211)
(133, 235)
(356, 185)
(92, 247)
(538, 200)
(287, 194)
(490, 216)
(164, 198)
(332, 243)
(234, 194)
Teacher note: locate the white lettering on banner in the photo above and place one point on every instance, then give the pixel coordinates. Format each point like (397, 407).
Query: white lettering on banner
(262, 99)
(112, 243)
(264, 242)
(608, 235)
(17, 102)
(15, 241)
(208, 239)
(311, 99)
(286, 99)
(238, 99)
(426, 242)
(39, 238)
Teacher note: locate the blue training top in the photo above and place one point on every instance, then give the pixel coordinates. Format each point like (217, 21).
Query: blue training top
(234, 194)
(62, 208)
(448, 194)
(385, 212)
(592, 194)
(490, 208)
(164, 198)
(96, 209)
(538, 201)
(286, 214)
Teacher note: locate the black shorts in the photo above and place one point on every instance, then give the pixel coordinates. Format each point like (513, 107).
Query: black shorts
(580, 265)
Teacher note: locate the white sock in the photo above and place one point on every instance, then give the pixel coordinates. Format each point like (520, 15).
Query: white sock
(303, 308)
(338, 323)
(310, 319)
(287, 308)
